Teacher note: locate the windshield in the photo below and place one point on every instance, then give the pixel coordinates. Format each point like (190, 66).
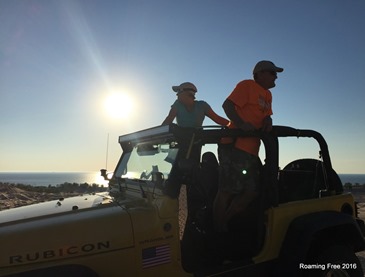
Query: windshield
(146, 161)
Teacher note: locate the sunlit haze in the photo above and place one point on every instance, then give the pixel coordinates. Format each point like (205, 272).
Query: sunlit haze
(118, 105)
(75, 73)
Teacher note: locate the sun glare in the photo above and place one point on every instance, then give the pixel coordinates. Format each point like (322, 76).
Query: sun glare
(118, 105)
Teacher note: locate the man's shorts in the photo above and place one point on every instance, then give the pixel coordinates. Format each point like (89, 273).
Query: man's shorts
(239, 170)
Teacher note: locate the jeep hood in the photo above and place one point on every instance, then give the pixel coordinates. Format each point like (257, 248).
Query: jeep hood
(54, 207)
(76, 226)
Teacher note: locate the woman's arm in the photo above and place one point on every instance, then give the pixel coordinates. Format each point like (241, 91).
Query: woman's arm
(170, 117)
(216, 118)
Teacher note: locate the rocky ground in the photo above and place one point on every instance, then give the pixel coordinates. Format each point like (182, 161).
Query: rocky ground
(12, 196)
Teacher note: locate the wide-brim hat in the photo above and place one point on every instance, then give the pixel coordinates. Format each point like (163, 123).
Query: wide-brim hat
(187, 86)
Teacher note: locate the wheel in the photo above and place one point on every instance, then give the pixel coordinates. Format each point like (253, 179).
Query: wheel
(335, 261)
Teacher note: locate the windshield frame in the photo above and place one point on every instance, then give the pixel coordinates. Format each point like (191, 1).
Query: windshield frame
(146, 166)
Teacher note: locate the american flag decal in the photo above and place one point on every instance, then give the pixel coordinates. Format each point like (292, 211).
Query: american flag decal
(157, 255)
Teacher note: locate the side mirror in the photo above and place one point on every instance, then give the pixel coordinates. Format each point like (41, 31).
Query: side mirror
(103, 173)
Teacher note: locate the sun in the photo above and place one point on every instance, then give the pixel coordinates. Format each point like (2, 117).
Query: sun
(118, 105)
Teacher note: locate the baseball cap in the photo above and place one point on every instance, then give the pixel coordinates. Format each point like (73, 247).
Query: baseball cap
(184, 86)
(266, 66)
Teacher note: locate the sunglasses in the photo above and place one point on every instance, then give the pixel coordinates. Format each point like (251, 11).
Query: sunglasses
(189, 89)
(273, 73)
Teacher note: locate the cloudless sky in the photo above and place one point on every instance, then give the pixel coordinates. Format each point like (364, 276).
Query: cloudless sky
(60, 61)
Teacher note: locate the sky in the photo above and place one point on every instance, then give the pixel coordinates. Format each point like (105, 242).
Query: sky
(74, 75)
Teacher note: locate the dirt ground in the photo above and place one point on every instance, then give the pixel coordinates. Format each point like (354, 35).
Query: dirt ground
(12, 196)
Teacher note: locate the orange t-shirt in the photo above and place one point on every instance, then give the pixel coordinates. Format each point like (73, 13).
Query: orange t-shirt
(253, 104)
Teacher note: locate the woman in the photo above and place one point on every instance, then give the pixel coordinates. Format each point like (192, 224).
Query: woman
(189, 112)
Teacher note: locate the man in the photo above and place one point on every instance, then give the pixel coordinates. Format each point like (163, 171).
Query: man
(249, 108)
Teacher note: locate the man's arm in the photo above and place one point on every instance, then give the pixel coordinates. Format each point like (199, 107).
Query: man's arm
(230, 111)
(267, 124)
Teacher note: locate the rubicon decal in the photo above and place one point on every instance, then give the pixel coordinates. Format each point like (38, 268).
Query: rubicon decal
(67, 251)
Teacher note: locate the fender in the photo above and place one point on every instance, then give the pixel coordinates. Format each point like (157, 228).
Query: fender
(304, 230)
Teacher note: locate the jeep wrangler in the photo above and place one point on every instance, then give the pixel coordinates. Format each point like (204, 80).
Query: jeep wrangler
(156, 219)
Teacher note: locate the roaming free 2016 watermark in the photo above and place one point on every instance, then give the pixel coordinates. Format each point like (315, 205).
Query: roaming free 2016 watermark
(327, 266)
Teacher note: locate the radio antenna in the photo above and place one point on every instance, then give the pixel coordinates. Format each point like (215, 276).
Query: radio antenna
(107, 152)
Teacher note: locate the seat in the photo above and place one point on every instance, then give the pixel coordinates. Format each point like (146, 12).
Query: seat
(202, 191)
(301, 179)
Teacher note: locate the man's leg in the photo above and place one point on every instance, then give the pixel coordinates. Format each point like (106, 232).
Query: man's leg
(220, 206)
(239, 204)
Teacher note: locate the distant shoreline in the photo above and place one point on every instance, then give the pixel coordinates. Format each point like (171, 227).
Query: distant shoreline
(65, 187)
(52, 178)
(93, 177)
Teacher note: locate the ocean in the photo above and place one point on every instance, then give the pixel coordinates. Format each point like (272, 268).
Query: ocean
(57, 178)
(352, 178)
(51, 178)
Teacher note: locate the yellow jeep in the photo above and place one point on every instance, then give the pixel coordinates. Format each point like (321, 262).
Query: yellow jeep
(157, 218)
